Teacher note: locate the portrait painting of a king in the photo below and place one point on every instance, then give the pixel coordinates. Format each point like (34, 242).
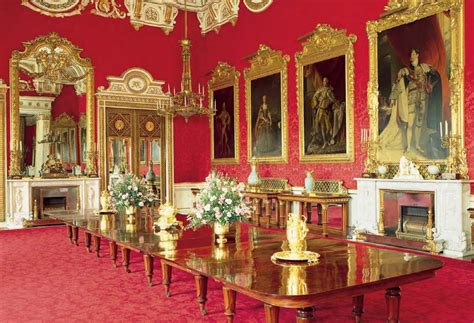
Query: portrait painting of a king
(414, 94)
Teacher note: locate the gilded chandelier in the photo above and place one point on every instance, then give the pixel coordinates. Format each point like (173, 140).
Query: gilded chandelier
(186, 103)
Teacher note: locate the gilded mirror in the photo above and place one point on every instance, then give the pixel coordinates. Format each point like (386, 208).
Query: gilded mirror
(325, 92)
(50, 83)
(416, 86)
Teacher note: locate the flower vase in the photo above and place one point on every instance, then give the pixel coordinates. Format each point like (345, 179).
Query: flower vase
(309, 181)
(253, 179)
(221, 230)
(131, 213)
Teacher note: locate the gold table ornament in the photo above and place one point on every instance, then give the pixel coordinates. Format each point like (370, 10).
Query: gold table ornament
(296, 231)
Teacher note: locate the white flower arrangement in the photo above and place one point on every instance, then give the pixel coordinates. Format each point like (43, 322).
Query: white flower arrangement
(129, 190)
(221, 200)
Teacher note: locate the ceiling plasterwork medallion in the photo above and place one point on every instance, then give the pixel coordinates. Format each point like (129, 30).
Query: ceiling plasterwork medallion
(56, 8)
(257, 5)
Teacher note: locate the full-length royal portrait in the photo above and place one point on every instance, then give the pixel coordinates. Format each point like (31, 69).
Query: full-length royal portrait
(224, 98)
(224, 146)
(325, 92)
(413, 75)
(415, 87)
(266, 102)
(266, 116)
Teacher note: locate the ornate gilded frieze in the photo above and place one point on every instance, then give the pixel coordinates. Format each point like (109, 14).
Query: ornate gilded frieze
(66, 8)
(415, 92)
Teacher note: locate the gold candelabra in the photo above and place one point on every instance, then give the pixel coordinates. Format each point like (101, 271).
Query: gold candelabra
(370, 147)
(456, 162)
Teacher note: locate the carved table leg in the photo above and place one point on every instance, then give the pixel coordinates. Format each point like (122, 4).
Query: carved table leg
(358, 307)
(201, 292)
(113, 252)
(258, 210)
(97, 245)
(166, 272)
(87, 241)
(308, 212)
(268, 210)
(69, 232)
(229, 303)
(75, 235)
(325, 219)
(345, 207)
(271, 313)
(149, 269)
(392, 297)
(287, 210)
(126, 259)
(304, 315)
(282, 214)
(277, 212)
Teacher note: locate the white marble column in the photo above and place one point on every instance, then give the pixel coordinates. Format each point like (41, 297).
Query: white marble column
(43, 125)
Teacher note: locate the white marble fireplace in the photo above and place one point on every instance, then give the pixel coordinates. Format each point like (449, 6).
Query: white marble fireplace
(20, 195)
(451, 201)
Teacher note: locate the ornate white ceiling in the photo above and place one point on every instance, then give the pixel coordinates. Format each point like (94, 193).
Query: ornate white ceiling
(157, 13)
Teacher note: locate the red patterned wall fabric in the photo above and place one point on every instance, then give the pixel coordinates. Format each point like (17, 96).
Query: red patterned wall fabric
(114, 46)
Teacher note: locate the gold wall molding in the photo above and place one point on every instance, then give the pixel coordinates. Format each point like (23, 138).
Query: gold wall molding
(224, 76)
(39, 48)
(135, 89)
(264, 63)
(3, 147)
(326, 43)
(402, 12)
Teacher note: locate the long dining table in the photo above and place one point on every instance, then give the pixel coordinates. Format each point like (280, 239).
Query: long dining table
(244, 264)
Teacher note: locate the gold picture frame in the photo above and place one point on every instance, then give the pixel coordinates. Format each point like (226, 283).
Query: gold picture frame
(223, 90)
(403, 24)
(328, 54)
(267, 67)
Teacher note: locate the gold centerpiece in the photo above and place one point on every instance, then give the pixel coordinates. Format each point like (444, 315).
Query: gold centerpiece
(296, 231)
(167, 217)
(221, 230)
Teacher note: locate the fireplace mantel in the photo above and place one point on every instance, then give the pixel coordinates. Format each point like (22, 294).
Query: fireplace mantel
(19, 195)
(452, 221)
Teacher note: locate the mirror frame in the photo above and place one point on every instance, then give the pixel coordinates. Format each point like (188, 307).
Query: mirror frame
(3, 103)
(52, 40)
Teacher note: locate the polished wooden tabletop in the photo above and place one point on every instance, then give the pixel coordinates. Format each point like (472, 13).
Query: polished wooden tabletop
(144, 237)
(342, 266)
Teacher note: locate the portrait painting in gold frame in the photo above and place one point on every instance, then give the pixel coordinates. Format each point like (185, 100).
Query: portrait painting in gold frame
(325, 92)
(415, 91)
(266, 100)
(224, 98)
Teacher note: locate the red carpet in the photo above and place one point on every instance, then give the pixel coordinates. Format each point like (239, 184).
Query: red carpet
(45, 278)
